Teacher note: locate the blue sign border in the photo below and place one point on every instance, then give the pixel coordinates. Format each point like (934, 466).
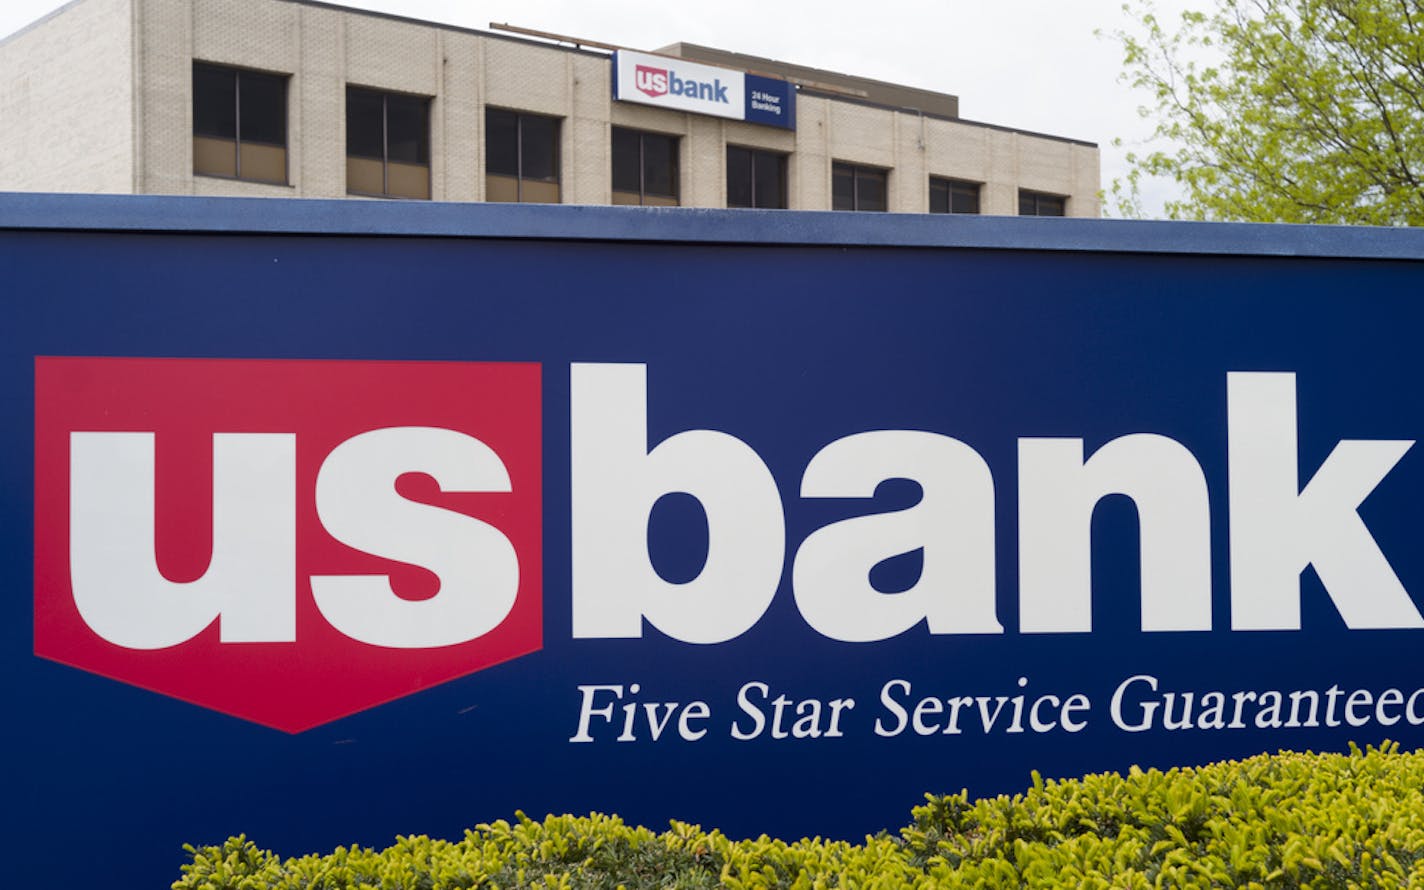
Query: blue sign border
(927, 323)
(155, 213)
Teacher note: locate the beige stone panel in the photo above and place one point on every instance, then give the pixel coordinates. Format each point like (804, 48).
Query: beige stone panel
(1086, 201)
(318, 106)
(461, 119)
(1003, 156)
(165, 107)
(1045, 165)
(909, 181)
(438, 155)
(704, 174)
(587, 163)
(810, 173)
(645, 117)
(322, 41)
(592, 85)
(756, 136)
(810, 186)
(1000, 195)
(999, 199)
(391, 55)
(318, 134)
(956, 151)
(66, 102)
(861, 134)
(526, 77)
(206, 186)
(255, 34)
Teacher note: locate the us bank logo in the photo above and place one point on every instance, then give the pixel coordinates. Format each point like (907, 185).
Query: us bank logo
(651, 81)
(288, 542)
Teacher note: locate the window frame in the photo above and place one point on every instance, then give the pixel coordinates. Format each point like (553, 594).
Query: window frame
(1040, 199)
(783, 166)
(951, 185)
(238, 73)
(674, 175)
(518, 176)
(856, 170)
(385, 159)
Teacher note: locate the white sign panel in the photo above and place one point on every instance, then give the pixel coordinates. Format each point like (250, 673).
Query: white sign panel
(673, 83)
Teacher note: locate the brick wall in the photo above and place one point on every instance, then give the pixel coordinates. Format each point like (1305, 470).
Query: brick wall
(66, 102)
(323, 49)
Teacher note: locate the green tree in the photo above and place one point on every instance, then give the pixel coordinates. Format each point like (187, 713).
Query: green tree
(1283, 110)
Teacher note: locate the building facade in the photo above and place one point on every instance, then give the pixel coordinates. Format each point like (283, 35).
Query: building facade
(289, 98)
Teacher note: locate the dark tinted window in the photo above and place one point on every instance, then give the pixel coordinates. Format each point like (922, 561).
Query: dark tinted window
(239, 123)
(365, 124)
(539, 147)
(626, 161)
(769, 179)
(842, 187)
(739, 177)
(387, 144)
(1041, 204)
(858, 188)
(262, 108)
(964, 197)
(501, 142)
(408, 129)
(870, 189)
(755, 178)
(644, 167)
(954, 196)
(521, 157)
(214, 102)
(660, 164)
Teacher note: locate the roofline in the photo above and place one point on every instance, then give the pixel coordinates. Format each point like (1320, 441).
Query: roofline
(353, 10)
(25, 29)
(460, 29)
(855, 100)
(294, 216)
(369, 13)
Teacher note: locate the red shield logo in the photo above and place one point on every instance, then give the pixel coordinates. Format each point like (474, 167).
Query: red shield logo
(288, 542)
(652, 81)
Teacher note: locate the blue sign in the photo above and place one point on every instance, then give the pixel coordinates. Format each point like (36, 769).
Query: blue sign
(771, 102)
(326, 522)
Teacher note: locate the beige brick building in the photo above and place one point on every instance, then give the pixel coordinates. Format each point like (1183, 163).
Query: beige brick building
(291, 98)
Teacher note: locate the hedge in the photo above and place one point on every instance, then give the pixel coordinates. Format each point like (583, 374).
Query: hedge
(1274, 821)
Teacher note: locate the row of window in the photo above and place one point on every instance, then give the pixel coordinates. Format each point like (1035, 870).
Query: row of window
(240, 132)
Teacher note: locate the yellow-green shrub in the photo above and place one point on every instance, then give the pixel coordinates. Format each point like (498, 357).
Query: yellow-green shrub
(1275, 821)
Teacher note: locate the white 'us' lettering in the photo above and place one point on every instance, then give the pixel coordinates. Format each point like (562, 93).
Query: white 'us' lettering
(250, 583)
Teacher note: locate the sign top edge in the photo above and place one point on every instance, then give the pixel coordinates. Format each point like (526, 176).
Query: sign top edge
(24, 211)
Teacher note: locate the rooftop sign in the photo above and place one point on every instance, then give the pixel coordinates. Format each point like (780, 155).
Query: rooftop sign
(669, 82)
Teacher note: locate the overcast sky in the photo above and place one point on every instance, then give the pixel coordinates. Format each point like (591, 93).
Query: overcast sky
(1030, 64)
